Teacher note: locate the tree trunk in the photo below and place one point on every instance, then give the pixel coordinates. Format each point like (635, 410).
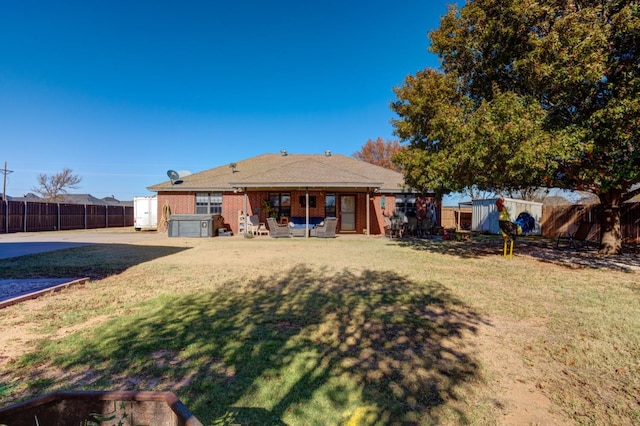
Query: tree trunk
(610, 229)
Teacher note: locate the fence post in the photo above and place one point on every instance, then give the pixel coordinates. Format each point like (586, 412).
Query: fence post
(85, 216)
(24, 217)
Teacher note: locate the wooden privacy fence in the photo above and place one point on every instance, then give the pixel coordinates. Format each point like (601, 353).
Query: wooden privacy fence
(26, 216)
(557, 219)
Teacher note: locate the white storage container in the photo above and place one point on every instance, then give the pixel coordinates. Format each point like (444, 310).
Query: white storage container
(145, 213)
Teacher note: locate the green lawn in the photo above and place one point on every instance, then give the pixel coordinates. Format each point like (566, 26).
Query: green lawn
(318, 332)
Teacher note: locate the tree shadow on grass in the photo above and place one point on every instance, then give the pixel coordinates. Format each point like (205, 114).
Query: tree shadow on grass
(476, 246)
(95, 261)
(535, 247)
(300, 347)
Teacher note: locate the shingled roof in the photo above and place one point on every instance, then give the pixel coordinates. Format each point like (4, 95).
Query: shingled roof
(290, 171)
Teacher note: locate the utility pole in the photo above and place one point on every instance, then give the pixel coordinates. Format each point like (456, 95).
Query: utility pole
(5, 172)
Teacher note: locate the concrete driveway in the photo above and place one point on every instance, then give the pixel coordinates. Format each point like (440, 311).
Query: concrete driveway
(23, 243)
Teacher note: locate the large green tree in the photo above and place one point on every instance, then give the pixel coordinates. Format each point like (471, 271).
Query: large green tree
(530, 93)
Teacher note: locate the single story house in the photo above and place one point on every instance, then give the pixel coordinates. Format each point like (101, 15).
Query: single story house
(292, 187)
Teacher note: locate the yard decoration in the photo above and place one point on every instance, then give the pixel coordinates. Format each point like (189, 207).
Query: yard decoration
(524, 224)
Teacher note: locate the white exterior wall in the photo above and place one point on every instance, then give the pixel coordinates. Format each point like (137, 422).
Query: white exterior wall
(484, 216)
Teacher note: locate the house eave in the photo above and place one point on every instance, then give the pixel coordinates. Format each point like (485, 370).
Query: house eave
(303, 185)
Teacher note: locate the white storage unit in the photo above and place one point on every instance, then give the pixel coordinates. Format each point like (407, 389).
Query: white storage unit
(484, 216)
(145, 213)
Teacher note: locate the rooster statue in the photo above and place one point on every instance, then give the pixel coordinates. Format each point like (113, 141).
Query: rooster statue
(524, 224)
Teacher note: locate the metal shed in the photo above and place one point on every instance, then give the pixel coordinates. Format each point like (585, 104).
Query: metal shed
(484, 216)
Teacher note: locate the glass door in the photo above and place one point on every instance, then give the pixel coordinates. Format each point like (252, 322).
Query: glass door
(348, 213)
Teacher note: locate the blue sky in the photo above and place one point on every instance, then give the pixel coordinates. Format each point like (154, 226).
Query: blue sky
(122, 91)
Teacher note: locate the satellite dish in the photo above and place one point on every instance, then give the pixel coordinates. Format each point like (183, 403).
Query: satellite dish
(174, 176)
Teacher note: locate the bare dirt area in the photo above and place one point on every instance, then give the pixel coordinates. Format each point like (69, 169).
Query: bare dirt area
(514, 383)
(513, 388)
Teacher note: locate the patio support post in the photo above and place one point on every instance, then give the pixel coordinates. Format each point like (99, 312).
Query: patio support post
(244, 207)
(306, 203)
(368, 212)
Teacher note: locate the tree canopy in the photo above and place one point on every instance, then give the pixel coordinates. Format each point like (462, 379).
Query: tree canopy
(530, 94)
(52, 186)
(380, 153)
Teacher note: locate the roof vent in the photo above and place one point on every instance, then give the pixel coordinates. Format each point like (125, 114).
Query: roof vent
(283, 152)
(327, 153)
(233, 166)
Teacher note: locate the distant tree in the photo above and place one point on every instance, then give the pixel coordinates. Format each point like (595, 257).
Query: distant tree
(380, 153)
(477, 194)
(51, 187)
(532, 193)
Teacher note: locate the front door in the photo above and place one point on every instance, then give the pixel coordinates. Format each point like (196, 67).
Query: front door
(348, 213)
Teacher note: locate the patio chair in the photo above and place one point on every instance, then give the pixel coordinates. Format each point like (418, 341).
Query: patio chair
(276, 230)
(327, 229)
(580, 236)
(388, 229)
(257, 228)
(410, 228)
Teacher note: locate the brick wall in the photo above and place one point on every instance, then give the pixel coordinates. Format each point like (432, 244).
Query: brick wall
(178, 202)
(234, 203)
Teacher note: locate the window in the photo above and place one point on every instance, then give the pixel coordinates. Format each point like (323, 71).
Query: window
(330, 205)
(280, 203)
(312, 201)
(405, 203)
(209, 203)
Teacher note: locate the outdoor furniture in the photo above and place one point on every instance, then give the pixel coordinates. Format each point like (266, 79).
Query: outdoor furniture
(276, 230)
(298, 226)
(425, 228)
(391, 227)
(298, 232)
(580, 236)
(327, 229)
(256, 227)
(410, 228)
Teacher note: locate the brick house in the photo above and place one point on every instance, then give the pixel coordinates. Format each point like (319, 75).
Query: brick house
(282, 185)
